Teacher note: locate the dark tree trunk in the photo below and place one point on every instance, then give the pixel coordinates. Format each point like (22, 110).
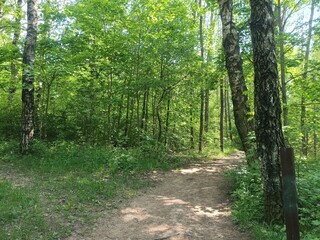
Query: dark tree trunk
(154, 123)
(229, 117)
(167, 121)
(137, 140)
(130, 134)
(144, 106)
(315, 135)
(201, 124)
(225, 96)
(202, 91)
(206, 110)
(221, 115)
(158, 111)
(27, 117)
(269, 134)
(235, 72)
(191, 123)
(144, 117)
(126, 127)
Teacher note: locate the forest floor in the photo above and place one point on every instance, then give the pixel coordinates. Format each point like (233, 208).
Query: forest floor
(185, 204)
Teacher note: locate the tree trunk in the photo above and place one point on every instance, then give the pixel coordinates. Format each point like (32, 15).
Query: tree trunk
(221, 115)
(158, 111)
(131, 141)
(167, 121)
(281, 26)
(225, 96)
(315, 135)
(154, 122)
(207, 91)
(191, 122)
(235, 72)
(27, 117)
(229, 117)
(202, 91)
(269, 134)
(304, 140)
(144, 117)
(137, 140)
(206, 110)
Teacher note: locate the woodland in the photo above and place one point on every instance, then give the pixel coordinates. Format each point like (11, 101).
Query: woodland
(97, 93)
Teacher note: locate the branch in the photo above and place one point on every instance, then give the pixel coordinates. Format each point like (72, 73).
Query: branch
(301, 74)
(290, 13)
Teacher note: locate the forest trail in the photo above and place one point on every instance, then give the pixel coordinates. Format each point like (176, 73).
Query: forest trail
(187, 204)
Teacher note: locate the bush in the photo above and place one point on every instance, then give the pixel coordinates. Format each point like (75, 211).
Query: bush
(248, 205)
(247, 196)
(309, 199)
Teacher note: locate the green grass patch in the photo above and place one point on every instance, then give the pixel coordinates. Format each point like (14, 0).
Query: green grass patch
(20, 215)
(62, 185)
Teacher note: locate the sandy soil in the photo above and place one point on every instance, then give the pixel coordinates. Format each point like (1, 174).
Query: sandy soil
(186, 204)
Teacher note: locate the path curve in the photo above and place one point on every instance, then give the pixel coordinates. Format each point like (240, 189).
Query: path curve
(188, 204)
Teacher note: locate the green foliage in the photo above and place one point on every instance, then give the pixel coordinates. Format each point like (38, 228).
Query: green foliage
(309, 198)
(248, 206)
(247, 195)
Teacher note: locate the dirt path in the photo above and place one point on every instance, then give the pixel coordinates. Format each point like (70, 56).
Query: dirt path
(187, 204)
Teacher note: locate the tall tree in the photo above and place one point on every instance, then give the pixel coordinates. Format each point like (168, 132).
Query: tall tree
(222, 105)
(235, 71)
(304, 143)
(27, 118)
(269, 134)
(202, 91)
(285, 10)
(281, 26)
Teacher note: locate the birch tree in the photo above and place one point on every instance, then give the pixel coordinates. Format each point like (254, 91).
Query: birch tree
(27, 117)
(235, 71)
(268, 130)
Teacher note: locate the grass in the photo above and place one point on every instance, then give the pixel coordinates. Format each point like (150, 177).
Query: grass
(64, 186)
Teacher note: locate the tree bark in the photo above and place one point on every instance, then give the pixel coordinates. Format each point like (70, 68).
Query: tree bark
(238, 87)
(144, 117)
(202, 91)
(221, 115)
(281, 26)
(27, 117)
(225, 96)
(209, 60)
(229, 117)
(206, 110)
(269, 134)
(167, 121)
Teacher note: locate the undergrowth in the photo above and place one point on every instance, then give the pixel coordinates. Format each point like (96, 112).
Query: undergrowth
(247, 196)
(61, 185)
